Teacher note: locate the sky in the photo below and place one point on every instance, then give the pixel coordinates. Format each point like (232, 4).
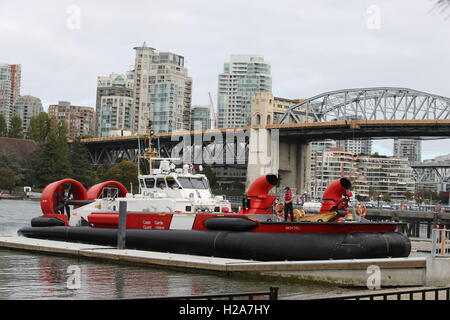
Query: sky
(313, 46)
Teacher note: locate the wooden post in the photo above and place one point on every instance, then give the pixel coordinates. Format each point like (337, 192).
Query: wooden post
(122, 227)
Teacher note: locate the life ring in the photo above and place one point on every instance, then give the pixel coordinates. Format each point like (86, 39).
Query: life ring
(279, 209)
(362, 210)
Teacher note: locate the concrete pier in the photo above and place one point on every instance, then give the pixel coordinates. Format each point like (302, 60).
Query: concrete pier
(351, 272)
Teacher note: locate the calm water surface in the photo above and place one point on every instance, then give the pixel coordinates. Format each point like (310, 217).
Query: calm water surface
(25, 275)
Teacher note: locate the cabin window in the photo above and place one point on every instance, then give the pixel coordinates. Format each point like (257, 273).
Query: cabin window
(199, 183)
(161, 183)
(185, 183)
(193, 183)
(141, 181)
(150, 182)
(188, 209)
(172, 183)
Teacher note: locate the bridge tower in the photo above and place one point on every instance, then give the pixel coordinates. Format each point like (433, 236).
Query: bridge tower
(267, 154)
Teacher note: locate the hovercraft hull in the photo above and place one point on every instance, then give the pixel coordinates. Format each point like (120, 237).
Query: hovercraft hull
(240, 245)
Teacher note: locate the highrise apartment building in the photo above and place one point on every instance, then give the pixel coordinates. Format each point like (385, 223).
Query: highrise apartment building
(80, 119)
(27, 107)
(327, 164)
(372, 177)
(356, 146)
(390, 177)
(408, 148)
(242, 76)
(114, 104)
(10, 75)
(201, 117)
(162, 91)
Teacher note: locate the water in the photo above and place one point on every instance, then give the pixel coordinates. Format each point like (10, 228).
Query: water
(25, 275)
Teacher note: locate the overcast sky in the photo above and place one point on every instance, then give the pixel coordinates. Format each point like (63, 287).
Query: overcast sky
(313, 46)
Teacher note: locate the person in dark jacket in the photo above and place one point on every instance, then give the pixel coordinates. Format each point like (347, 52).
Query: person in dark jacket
(288, 204)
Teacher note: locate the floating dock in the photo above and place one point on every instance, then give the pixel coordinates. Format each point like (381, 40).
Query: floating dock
(410, 271)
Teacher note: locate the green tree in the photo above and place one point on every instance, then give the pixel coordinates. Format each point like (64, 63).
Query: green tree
(51, 161)
(100, 173)
(3, 126)
(39, 128)
(9, 159)
(409, 195)
(373, 194)
(15, 128)
(207, 171)
(125, 172)
(81, 166)
(386, 197)
(7, 179)
(376, 155)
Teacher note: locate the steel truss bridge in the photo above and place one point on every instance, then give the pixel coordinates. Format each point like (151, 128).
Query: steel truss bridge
(432, 173)
(383, 103)
(382, 112)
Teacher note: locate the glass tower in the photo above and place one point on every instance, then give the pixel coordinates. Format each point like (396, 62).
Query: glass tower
(241, 78)
(162, 92)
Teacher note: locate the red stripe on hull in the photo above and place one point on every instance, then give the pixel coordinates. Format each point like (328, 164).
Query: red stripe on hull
(135, 220)
(324, 227)
(161, 221)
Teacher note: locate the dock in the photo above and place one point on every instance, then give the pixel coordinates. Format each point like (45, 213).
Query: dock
(421, 244)
(393, 272)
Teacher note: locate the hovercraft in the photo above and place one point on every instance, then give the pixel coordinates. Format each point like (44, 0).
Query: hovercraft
(186, 218)
(176, 212)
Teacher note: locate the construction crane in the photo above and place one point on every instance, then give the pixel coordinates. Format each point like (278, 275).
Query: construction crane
(213, 115)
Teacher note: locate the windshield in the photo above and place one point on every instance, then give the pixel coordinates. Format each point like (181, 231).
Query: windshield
(193, 183)
(185, 183)
(199, 183)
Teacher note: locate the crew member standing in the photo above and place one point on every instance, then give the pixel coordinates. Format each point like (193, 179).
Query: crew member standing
(288, 206)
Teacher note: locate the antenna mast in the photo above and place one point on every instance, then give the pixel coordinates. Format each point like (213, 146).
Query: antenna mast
(150, 152)
(212, 117)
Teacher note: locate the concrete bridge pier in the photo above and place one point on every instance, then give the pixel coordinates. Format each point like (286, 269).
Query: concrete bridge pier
(294, 165)
(289, 160)
(263, 154)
